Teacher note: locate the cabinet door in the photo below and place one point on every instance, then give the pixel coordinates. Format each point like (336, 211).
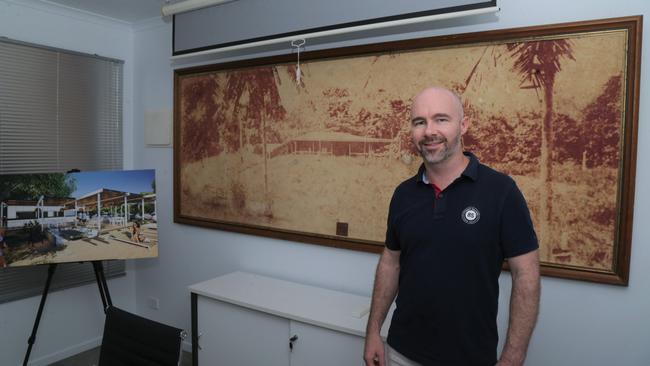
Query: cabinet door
(317, 346)
(236, 336)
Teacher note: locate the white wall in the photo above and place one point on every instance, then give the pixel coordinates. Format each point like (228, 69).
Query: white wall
(72, 319)
(580, 323)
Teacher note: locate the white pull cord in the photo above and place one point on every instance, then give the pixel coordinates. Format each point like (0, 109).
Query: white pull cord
(298, 43)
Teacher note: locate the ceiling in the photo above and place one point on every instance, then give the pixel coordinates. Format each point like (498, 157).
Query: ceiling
(130, 11)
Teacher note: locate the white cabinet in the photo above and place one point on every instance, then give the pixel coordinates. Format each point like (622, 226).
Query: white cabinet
(317, 346)
(242, 319)
(233, 335)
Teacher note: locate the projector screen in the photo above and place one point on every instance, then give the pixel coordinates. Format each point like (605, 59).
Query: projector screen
(76, 217)
(246, 21)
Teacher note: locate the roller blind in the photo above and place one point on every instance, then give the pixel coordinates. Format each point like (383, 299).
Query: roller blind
(241, 22)
(59, 110)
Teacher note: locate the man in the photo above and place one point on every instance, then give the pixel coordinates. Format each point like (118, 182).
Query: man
(449, 229)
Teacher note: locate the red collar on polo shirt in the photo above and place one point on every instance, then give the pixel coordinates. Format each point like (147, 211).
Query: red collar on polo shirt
(471, 172)
(436, 190)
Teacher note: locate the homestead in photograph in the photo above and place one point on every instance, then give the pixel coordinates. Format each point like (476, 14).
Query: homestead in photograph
(333, 143)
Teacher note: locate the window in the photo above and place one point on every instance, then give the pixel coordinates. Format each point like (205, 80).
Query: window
(25, 215)
(59, 110)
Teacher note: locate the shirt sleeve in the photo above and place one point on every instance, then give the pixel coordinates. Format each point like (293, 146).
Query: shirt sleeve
(392, 239)
(517, 233)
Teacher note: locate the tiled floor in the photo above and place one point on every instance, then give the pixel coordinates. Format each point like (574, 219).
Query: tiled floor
(90, 358)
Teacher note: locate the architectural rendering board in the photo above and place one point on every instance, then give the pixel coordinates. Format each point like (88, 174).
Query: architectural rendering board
(74, 217)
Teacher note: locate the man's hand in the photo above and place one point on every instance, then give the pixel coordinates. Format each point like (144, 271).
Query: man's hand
(374, 352)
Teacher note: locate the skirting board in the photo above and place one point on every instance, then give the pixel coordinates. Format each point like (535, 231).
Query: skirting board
(67, 352)
(83, 347)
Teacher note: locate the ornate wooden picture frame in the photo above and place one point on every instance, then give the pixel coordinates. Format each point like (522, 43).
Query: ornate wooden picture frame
(315, 159)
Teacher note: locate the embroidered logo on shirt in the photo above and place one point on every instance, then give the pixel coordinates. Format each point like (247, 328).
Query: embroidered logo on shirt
(470, 215)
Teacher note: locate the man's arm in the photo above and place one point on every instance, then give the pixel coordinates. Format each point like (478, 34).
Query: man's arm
(383, 294)
(524, 307)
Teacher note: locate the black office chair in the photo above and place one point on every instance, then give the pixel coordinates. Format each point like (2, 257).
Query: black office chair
(131, 340)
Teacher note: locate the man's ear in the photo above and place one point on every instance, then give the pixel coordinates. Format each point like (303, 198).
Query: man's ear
(464, 125)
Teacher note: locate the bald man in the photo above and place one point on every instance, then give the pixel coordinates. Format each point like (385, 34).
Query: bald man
(450, 227)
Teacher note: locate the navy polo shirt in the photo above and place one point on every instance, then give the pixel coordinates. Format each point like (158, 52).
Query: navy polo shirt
(452, 248)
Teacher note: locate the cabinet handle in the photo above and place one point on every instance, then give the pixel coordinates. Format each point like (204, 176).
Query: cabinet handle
(198, 341)
(291, 340)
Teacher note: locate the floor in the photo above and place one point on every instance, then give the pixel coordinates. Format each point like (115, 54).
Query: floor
(90, 358)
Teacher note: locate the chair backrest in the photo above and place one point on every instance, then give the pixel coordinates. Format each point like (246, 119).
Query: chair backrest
(130, 339)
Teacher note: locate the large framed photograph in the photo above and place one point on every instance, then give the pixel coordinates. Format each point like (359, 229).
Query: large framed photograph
(314, 156)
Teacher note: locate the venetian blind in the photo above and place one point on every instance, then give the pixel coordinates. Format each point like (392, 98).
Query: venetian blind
(59, 110)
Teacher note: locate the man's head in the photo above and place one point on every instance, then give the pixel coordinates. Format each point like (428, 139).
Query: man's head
(437, 124)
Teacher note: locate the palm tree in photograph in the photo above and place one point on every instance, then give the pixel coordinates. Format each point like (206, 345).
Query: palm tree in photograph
(538, 63)
(253, 94)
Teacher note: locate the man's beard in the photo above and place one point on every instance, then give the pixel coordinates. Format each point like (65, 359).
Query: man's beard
(443, 154)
